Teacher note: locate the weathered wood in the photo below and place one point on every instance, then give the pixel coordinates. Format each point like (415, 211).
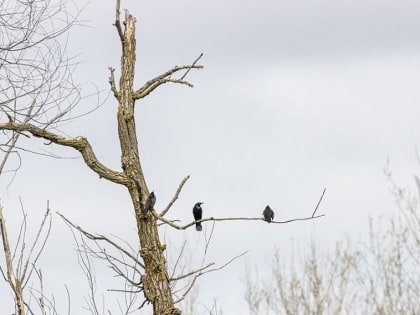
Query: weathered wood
(155, 280)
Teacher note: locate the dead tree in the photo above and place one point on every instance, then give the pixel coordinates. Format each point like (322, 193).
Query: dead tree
(155, 279)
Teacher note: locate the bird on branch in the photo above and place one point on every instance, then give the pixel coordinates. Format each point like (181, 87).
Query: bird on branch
(198, 214)
(150, 203)
(268, 214)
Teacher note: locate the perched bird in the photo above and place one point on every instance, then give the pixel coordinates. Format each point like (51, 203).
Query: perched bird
(268, 214)
(150, 203)
(198, 214)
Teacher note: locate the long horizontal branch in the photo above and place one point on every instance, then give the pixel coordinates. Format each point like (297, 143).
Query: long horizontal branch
(81, 144)
(184, 227)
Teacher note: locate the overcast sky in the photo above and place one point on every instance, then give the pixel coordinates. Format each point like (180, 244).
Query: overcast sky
(294, 96)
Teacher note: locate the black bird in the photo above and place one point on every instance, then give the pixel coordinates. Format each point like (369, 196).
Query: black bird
(198, 214)
(150, 203)
(268, 214)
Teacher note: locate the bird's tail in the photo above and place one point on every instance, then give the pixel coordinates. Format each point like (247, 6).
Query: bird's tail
(198, 226)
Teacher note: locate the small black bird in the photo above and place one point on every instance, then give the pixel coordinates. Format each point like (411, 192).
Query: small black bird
(150, 203)
(198, 214)
(268, 214)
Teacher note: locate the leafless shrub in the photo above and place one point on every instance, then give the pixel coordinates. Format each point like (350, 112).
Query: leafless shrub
(379, 277)
(315, 285)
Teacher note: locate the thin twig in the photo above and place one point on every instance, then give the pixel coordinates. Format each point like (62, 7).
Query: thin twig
(111, 81)
(207, 271)
(320, 199)
(191, 272)
(227, 263)
(100, 238)
(191, 284)
(178, 191)
(41, 295)
(192, 65)
(68, 299)
(178, 259)
(41, 227)
(9, 150)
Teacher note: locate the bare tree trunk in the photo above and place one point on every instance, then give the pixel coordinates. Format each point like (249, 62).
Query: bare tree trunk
(155, 280)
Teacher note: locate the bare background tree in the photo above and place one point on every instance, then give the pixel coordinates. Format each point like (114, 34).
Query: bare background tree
(21, 265)
(35, 87)
(35, 70)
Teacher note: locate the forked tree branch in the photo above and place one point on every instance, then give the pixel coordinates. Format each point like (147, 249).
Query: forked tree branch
(23, 278)
(192, 65)
(98, 237)
(200, 270)
(204, 269)
(227, 263)
(130, 270)
(320, 199)
(151, 85)
(81, 144)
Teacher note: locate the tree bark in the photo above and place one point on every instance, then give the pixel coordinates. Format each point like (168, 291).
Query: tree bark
(155, 280)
